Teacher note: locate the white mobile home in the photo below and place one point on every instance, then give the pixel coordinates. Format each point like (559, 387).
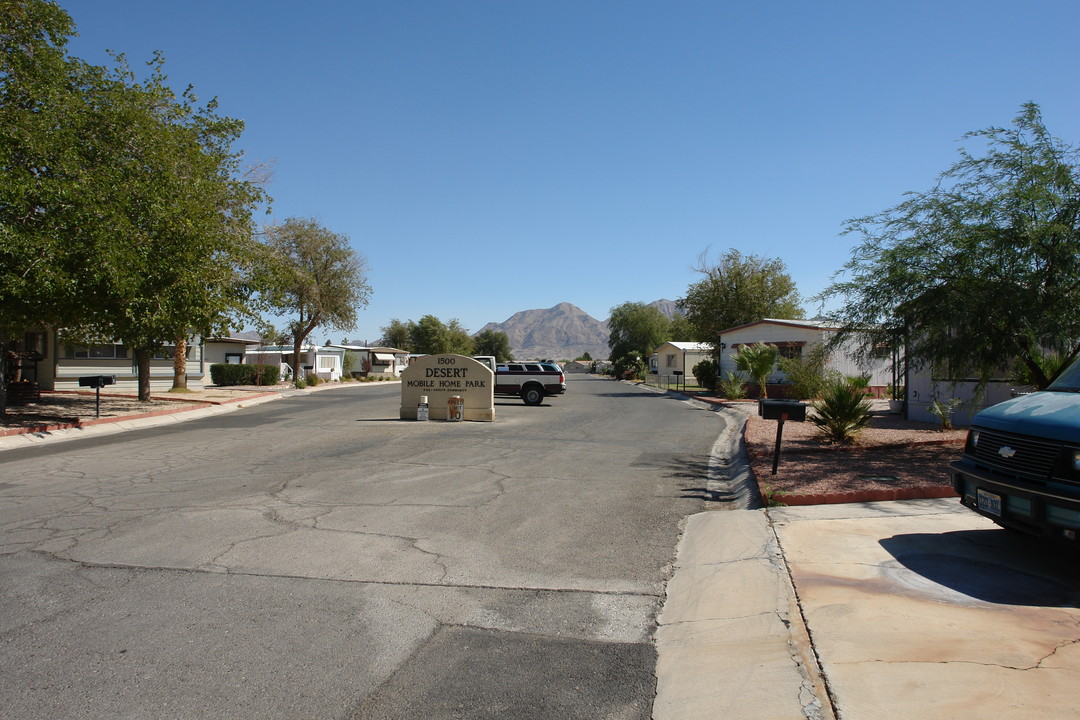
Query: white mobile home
(677, 359)
(792, 338)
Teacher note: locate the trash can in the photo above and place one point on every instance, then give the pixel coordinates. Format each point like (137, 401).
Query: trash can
(455, 408)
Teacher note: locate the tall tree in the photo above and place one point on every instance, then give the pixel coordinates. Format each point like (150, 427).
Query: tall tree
(123, 213)
(396, 335)
(982, 270)
(458, 338)
(494, 343)
(637, 330)
(315, 277)
(736, 290)
(428, 336)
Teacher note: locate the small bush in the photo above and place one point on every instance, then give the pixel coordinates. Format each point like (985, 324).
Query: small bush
(733, 386)
(223, 374)
(706, 372)
(808, 373)
(300, 383)
(842, 412)
(313, 380)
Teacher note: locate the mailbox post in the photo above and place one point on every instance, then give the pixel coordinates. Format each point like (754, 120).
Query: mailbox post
(781, 411)
(679, 379)
(97, 382)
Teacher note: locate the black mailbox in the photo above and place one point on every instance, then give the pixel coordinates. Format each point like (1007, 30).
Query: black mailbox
(97, 381)
(777, 409)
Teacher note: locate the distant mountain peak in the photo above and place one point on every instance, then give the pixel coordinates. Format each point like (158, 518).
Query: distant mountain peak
(561, 332)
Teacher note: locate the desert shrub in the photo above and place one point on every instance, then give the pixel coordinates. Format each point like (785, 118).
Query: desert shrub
(733, 386)
(842, 412)
(706, 372)
(808, 373)
(313, 380)
(300, 383)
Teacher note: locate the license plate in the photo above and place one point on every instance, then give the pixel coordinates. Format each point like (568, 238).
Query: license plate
(989, 502)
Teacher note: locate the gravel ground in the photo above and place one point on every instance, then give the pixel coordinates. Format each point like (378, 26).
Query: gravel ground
(890, 453)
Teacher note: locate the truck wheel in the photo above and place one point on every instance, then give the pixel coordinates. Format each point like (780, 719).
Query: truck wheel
(532, 395)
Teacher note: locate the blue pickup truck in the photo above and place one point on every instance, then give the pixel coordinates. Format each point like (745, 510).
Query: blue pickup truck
(1021, 463)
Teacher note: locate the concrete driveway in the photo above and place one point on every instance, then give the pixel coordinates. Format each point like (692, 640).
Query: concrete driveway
(914, 609)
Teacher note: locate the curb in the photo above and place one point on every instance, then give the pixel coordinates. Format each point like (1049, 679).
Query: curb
(859, 496)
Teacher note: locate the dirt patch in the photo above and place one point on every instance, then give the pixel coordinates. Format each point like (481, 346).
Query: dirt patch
(72, 409)
(890, 454)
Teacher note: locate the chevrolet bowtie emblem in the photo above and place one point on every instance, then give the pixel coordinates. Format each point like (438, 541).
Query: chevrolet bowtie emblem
(1006, 452)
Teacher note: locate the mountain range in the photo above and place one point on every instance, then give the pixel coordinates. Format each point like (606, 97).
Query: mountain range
(563, 332)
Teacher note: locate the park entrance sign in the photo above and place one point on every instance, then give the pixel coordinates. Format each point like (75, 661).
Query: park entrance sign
(442, 377)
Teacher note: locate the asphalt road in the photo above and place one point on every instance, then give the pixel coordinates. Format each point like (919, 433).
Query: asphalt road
(316, 557)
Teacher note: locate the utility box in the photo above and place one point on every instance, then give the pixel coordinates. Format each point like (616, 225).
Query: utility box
(794, 410)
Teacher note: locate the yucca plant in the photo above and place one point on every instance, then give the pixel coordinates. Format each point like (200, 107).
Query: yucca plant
(842, 412)
(733, 386)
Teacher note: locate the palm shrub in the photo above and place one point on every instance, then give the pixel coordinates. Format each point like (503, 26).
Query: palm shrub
(943, 410)
(757, 361)
(842, 412)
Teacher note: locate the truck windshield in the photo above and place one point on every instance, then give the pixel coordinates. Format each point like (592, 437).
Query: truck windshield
(1068, 381)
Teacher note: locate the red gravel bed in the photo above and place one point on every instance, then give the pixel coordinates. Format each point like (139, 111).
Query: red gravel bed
(893, 459)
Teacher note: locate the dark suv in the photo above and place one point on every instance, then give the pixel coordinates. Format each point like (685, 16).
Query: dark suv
(1021, 463)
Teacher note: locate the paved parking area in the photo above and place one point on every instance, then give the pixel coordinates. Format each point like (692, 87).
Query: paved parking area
(923, 609)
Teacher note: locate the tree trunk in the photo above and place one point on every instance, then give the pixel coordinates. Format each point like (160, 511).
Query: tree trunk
(298, 368)
(3, 376)
(179, 380)
(142, 365)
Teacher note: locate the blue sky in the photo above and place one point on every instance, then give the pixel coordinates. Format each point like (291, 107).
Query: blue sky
(490, 157)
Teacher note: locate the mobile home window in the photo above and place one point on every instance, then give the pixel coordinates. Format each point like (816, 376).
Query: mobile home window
(110, 351)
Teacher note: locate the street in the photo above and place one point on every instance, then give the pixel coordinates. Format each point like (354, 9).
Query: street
(316, 557)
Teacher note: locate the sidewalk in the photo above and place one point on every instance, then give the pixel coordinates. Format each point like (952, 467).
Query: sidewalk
(730, 638)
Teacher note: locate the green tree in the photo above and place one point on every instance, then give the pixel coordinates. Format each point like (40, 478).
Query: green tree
(396, 335)
(981, 271)
(636, 330)
(757, 361)
(429, 336)
(682, 330)
(313, 275)
(123, 214)
(492, 342)
(736, 290)
(458, 338)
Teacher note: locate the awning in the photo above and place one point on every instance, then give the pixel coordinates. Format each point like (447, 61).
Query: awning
(382, 358)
